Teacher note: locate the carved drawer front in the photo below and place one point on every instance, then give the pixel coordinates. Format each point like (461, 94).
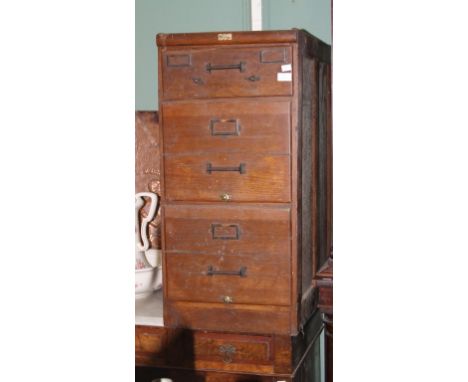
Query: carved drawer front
(233, 349)
(220, 351)
(225, 72)
(228, 177)
(227, 230)
(236, 126)
(150, 342)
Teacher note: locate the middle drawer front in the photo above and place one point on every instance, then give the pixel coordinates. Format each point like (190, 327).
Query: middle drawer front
(227, 230)
(236, 126)
(227, 177)
(220, 150)
(228, 254)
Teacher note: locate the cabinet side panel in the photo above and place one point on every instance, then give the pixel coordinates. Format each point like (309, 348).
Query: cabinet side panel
(324, 166)
(329, 164)
(309, 120)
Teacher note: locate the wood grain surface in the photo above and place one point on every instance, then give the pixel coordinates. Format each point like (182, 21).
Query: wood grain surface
(203, 72)
(242, 126)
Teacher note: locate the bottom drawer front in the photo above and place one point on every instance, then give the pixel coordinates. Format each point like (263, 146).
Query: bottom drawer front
(233, 349)
(236, 318)
(221, 351)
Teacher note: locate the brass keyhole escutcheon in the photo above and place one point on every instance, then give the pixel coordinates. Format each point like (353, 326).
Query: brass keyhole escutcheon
(228, 300)
(227, 351)
(225, 197)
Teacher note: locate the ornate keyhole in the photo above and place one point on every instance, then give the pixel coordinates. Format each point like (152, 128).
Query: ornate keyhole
(227, 351)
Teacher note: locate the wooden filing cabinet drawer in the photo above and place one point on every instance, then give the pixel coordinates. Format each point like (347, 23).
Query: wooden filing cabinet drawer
(237, 253)
(235, 126)
(241, 279)
(224, 72)
(226, 230)
(227, 348)
(233, 318)
(227, 176)
(221, 351)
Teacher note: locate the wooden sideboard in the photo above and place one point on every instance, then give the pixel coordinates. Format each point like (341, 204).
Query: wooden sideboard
(246, 206)
(183, 354)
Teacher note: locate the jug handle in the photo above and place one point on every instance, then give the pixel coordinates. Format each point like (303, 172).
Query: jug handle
(143, 243)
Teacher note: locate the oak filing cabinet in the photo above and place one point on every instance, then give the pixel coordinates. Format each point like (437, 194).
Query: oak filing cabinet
(246, 202)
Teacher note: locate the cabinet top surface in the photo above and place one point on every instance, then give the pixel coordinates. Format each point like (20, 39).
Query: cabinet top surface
(229, 38)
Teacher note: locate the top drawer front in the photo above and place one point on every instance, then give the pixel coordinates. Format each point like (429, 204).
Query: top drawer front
(224, 72)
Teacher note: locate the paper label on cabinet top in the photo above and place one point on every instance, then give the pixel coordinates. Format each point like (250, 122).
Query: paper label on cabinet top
(224, 36)
(286, 68)
(284, 77)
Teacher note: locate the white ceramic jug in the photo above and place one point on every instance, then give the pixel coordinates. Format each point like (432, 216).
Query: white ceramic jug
(148, 273)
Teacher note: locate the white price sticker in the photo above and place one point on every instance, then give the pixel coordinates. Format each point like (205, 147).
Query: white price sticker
(284, 77)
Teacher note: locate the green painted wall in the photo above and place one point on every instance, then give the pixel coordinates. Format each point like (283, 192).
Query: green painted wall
(172, 16)
(312, 15)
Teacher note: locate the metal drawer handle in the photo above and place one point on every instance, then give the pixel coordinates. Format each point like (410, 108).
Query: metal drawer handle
(240, 66)
(225, 231)
(234, 122)
(228, 351)
(241, 168)
(242, 272)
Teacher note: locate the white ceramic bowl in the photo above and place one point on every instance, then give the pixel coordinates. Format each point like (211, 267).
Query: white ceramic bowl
(147, 280)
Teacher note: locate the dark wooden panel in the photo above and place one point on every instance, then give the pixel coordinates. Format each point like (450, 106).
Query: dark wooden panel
(147, 375)
(236, 318)
(308, 178)
(322, 183)
(208, 74)
(262, 231)
(254, 178)
(236, 126)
